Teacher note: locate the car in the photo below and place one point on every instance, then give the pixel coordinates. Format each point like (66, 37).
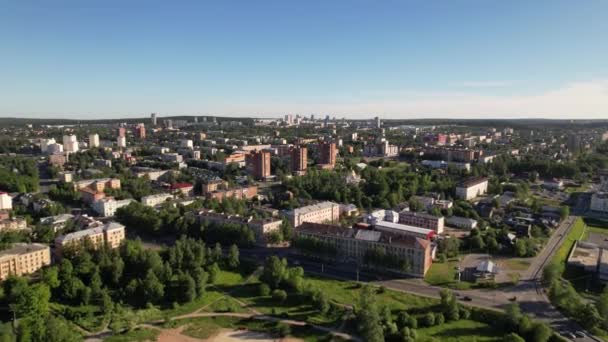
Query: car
(467, 299)
(580, 334)
(512, 299)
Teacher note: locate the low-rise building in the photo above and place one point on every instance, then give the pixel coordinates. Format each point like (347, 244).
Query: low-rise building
(110, 234)
(434, 223)
(599, 202)
(260, 227)
(16, 223)
(354, 244)
(108, 206)
(324, 212)
(23, 258)
(6, 201)
(156, 199)
(472, 188)
(399, 229)
(186, 189)
(461, 222)
(57, 222)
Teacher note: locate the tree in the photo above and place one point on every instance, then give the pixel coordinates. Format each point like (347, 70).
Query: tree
(439, 318)
(449, 305)
(428, 319)
(279, 295)
(233, 257)
(214, 272)
(321, 301)
(264, 290)
(152, 289)
(564, 212)
(541, 332)
(368, 317)
(274, 271)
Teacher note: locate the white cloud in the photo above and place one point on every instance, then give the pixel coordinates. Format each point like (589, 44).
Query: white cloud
(583, 100)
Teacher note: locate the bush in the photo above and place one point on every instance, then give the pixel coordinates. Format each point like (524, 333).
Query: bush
(439, 319)
(428, 320)
(264, 290)
(282, 329)
(279, 295)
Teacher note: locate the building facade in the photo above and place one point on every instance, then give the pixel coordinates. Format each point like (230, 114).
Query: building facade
(422, 220)
(472, 188)
(23, 258)
(323, 212)
(111, 234)
(353, 244)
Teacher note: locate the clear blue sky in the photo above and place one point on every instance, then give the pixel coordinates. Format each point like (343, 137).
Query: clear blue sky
(266, 58)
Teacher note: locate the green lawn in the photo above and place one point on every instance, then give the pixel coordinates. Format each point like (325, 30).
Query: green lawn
(446, 274)
(136, 335)
(516, 264)
(459, 331)
(575, 233)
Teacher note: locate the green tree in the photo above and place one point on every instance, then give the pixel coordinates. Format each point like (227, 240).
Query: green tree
(152, 289)
(541, 332)
(274, 271)
(279, 295)
(233, 257)
(368, 317)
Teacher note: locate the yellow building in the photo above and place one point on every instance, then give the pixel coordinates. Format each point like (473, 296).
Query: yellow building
(24, 258)
(111, 233)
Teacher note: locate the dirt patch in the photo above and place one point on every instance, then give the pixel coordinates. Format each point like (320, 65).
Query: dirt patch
(175, 335)
(246, 335)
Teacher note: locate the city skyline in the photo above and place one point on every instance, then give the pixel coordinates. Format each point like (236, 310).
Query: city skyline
(401, 60)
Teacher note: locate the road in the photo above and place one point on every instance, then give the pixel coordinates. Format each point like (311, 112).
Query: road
(528, 292)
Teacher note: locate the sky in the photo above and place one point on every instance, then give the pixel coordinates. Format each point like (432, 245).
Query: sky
(346, 58)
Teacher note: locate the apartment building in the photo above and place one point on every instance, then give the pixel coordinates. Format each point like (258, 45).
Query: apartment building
(422, 220)
(16, 223)
(328, 152)
(317, 213)
(261, 227)
(23, 258)
(299, 159)
(258, 164)
(219, 189)
(108, 206)
(111, 234)
(154, 200)
(472, 188)
(352, 245)
(6, 201)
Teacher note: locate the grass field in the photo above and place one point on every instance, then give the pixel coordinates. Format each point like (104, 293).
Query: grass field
(516, 264)
(575, 233)
(459, 331)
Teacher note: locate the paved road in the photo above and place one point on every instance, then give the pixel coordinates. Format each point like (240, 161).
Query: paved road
(528, 291)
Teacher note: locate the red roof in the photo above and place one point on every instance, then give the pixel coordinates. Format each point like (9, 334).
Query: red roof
(181, 185)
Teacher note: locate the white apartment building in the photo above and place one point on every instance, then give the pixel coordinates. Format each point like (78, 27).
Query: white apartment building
(44, 144)
(186, 143)
(108, 206)
(6, 201)
(317, 213)
(94, 140)
(121, 141)
(70, 143)
(156, 199)
(472, 188)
